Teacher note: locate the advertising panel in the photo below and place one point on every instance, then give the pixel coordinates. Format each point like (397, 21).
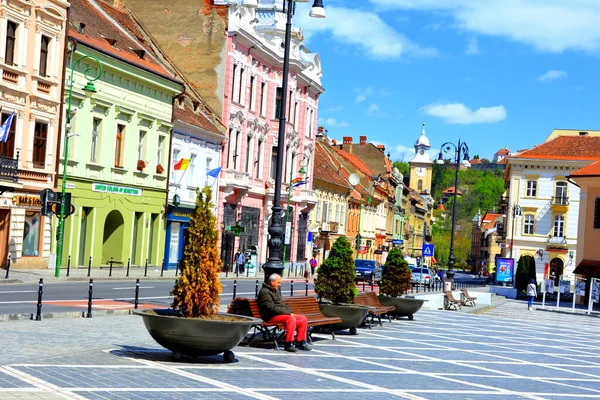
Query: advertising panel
(505, 268)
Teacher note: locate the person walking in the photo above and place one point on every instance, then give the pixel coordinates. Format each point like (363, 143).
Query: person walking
(531, 294)
(313, 266)
(240, 260)
(273, 309)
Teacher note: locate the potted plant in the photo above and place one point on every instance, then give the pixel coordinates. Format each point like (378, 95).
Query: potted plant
(159, 169)
(141, 164)
(395, 281)
(336, 282)
(194, 326)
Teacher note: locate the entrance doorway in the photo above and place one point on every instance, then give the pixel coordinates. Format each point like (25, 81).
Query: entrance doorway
(112, 241)
(4, 233)
(556, 270)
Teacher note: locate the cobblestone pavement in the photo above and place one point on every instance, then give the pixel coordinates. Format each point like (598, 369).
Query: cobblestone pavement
(507, 352)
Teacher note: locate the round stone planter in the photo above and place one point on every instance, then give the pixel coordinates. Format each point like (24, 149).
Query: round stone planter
(352, 315)
(405, 307)
(196, 336)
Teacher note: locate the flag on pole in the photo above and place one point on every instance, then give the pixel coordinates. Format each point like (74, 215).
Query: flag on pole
(214, 172)
(5, 128)
(299, 183)
(182, 164)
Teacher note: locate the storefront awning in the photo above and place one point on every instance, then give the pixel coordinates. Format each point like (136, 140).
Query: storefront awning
(588, 267)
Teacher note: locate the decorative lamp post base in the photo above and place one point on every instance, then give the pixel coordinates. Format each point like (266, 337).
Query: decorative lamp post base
(269, 270)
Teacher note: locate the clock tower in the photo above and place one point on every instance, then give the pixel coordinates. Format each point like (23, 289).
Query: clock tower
(421, 166)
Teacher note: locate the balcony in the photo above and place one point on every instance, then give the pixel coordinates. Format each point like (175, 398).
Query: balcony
(9, 168)
(308, 197)
(233, 179)
(331, 227)
(559, 203)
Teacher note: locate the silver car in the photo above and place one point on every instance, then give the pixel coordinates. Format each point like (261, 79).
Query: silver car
(422, 276)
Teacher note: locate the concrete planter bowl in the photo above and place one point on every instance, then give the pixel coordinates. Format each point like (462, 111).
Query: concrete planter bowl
(352, 315)
(405, 307)
(194, 336)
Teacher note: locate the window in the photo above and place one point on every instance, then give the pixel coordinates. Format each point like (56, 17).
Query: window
(11, 39)
(252, 103)
(278, 110)
(141, 145)
(337, 213)
(159, 150)
(44, 55)
(318, 213)
(295, 115)
(40, 136)
(531, 189)
(560, 193)
(420, 184)
(248, 154)
(31, 234)
(342, 215)
(208, 168)
(273, 162)
(7, 148)
(289, 105)
(119, 145)
(310, 122)
(325, 214)
(95, 139)
(175, 160)
(258, 162)
(528, 224)
(597, 213)
(559, 226)
(233, 82)
(191, 174)
(263, 99)
(236, 149)
(241, 86)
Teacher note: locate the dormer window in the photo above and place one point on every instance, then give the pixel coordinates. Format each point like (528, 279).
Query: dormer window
(140, 53)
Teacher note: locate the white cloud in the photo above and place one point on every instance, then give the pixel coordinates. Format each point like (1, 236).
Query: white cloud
(332, 122)
(363, 29)
(552, 75)
(373, 108)
(360, 98)
(458, 113)
(337, 108)
(549, 25)
(472, 47)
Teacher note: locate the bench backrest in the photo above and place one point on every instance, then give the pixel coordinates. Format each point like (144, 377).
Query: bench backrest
(466, 294)
(244, 306)
(450, 297)
(303, 305)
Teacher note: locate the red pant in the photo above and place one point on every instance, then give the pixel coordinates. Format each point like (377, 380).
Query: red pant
(292, 323)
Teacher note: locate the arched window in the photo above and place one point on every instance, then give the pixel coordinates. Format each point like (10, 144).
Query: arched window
(420, 184)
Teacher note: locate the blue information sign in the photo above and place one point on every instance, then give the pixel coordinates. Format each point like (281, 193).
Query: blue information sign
(505, 268)
(427, 250)
(397, 241)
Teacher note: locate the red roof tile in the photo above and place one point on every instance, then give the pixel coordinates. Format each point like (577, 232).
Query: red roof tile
(589, 170)
(326, 170)
(357, 162)
(105, 22)
(566, 148)
(188, 115)
(450, 190)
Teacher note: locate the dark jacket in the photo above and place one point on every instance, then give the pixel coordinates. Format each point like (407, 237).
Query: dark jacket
(270, 303)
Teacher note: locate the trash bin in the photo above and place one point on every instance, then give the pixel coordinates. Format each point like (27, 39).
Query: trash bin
(447, 284)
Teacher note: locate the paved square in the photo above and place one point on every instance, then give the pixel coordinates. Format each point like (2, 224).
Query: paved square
(505, 353)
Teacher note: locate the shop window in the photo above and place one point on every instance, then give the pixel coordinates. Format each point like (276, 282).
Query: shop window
(31, 234)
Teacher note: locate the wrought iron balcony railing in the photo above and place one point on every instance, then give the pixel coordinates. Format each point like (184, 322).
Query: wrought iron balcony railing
(560, 201)
(9, 168)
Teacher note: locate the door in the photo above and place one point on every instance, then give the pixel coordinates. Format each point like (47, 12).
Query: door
(556, 270)
(4, 234)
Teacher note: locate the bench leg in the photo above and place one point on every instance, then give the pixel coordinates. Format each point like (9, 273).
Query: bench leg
(309, 334)
(332, 334)
(379, 319)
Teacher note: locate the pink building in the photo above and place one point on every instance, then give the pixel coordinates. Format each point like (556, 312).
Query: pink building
(251, 104)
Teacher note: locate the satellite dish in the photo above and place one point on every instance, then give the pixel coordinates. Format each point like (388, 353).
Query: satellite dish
(353, 179)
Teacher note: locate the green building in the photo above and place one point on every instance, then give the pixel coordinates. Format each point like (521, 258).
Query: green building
(119, 145)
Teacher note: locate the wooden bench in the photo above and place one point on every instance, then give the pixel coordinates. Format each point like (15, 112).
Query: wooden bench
(468, 299)
(249, 307)
(309, 307)
(450, 301)
(376, 309)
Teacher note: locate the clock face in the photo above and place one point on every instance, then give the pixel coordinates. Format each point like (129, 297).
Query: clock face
(421, 151)
(420, 171)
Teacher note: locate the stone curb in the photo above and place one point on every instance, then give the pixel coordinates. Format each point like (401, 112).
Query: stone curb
(66, 314)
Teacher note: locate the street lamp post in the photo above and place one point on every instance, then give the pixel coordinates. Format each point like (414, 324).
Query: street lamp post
(91, 75)
(516, 210)
(460, 149)
(274, 263)
(303, 164)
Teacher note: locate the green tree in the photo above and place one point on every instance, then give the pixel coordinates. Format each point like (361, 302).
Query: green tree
(336, 277)
(196, 291)
(396, 276)
(403, 167)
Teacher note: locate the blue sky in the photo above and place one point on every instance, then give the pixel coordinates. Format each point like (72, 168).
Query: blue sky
(494, 73)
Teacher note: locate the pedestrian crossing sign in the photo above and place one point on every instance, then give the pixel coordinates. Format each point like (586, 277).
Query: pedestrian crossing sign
(427, 250)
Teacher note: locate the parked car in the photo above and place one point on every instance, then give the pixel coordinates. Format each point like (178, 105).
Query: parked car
(366, 268)
(422, 276)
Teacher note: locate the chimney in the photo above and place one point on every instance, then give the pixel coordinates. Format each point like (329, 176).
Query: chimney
(333, 142)
(81, 28)
(381, 148)
(363, 140)
(347, 140)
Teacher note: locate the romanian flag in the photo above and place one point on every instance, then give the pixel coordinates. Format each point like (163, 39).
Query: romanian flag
(182, 164)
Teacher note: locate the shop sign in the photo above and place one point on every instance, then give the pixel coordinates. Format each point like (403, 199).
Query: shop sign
(104, 188)
(27, 201)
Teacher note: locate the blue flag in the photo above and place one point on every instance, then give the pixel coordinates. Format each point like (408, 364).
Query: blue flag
(299, 183)
(214, 172)
(5, 128)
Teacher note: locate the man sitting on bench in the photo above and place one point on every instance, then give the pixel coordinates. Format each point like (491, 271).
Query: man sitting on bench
(273, 309)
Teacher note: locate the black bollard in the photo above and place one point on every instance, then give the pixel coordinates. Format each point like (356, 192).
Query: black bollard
(234, 288)
(137, 294)
(146, 268)
(7, 267)
(247, 271)
(68, 265)
(110, 267)
(372, 281)
(90, 291)
(128, 265)
(364, 284)
(90, 267)
(306, 291)
(38, 314)
(256, 290)
(162, 268)
(292, 289)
